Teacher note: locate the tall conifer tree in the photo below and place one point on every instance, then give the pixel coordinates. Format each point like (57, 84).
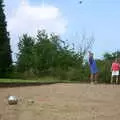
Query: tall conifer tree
(5, 51)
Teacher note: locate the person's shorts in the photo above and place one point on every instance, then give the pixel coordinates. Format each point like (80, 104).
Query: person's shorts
(115, 73)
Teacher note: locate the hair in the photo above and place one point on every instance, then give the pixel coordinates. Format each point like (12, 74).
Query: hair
(91, 54)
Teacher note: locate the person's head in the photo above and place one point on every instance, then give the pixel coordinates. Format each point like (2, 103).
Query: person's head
(116, 60)
(90, 54)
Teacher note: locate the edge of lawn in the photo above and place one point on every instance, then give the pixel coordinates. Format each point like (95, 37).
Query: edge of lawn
(32, 82)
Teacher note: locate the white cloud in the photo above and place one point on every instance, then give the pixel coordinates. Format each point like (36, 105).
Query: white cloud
(27, 18)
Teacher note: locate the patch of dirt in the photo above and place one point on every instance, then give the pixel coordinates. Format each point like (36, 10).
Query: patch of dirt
(62, 102)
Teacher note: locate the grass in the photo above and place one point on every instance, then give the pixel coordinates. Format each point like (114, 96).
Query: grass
(40, 80)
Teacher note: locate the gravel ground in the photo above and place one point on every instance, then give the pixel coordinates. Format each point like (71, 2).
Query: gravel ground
(62, 102)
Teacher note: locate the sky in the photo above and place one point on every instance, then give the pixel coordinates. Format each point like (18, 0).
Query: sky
(67, 18)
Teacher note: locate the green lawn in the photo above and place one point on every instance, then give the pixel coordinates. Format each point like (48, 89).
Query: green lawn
(40, 80)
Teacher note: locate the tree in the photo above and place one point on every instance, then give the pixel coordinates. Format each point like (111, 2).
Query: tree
(105, 65)
(85, 44)
(5, 51)
(45, 51)
(25, 56)
(48, 55)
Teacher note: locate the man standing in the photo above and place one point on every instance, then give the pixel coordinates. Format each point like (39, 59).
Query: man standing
(93, 68)
(115, 70)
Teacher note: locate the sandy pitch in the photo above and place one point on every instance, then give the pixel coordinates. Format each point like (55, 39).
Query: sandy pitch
(62, 102)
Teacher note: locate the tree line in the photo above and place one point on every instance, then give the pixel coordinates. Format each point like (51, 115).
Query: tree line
(49, 55)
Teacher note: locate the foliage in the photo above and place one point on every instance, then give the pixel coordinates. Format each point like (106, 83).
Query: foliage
(48, 55)
(104, 66)
(25, 55)
(5, 51)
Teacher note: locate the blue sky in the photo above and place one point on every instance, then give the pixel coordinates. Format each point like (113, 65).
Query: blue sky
(100, 18)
